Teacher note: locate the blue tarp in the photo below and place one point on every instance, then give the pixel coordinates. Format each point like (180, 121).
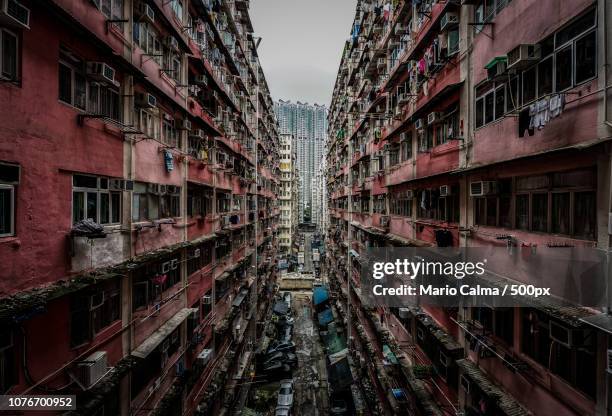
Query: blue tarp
(319, 295)
(325, 317)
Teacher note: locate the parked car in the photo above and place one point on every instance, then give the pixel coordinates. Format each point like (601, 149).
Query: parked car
(275, 366)
(283, 411)
(285, 357)
(287, 299)
(338, 407)
(281, 346)
(285, 394)
(287, 319)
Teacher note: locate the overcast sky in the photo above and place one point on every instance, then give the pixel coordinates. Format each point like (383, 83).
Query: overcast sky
(302, 44)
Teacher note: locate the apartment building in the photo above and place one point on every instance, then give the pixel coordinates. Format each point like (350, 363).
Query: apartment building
(319, 198)
(308, 124)
(139, 169)
(473, 123)
(288, 194)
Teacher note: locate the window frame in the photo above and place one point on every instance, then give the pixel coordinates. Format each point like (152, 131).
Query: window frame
(17, 56)
(98, 191)
(11, 188)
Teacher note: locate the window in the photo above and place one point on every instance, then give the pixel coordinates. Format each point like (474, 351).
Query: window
(497, 321)
(94, 198)
(9, 54)
(585, 51)
(574, 362)
(380, 204)
(75, 89)
(169, 132)
(199, 201)
(406, 147)
(558, 203)
(93, 310)
(223, 202)
(113, 9)
(490, 104)
(177, 8)
(9, 178)
(72, 85)
(146, 36)
(150, 281)
(155, 201)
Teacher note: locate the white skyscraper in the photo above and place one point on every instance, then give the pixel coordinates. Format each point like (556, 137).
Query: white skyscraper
(308, 124)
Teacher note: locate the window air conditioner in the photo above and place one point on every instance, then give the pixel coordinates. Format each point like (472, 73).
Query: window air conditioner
(483, 188)
(197, 133)
(91, 370)
(523, 55)
(448, 21)
(183, 124)
(445, 190)
(146, 100)
(145, 12)
(14, 13)
(101, 72)
(433, 117)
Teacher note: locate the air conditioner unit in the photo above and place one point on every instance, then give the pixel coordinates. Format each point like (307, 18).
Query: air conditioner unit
(444, 360)
(449, 20)
(523, 55)
(197, 133)
(92, 369)
(165, 267)
(183, 124)
(206, 300)
(433, 117)
(204, 356)
(101, 72)
(146, 100)
(445, 190)
(196, 253)
(570, 337)
(418, 124)
(465, 383)
(404, 313)
(483, 188)
(172, 43)
(14, 13)
(146, 12)
(173, 264)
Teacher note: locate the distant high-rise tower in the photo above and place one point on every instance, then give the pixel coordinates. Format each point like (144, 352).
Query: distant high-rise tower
(308, 124)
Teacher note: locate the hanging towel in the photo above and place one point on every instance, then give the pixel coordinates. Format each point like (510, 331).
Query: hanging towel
(168, 160)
